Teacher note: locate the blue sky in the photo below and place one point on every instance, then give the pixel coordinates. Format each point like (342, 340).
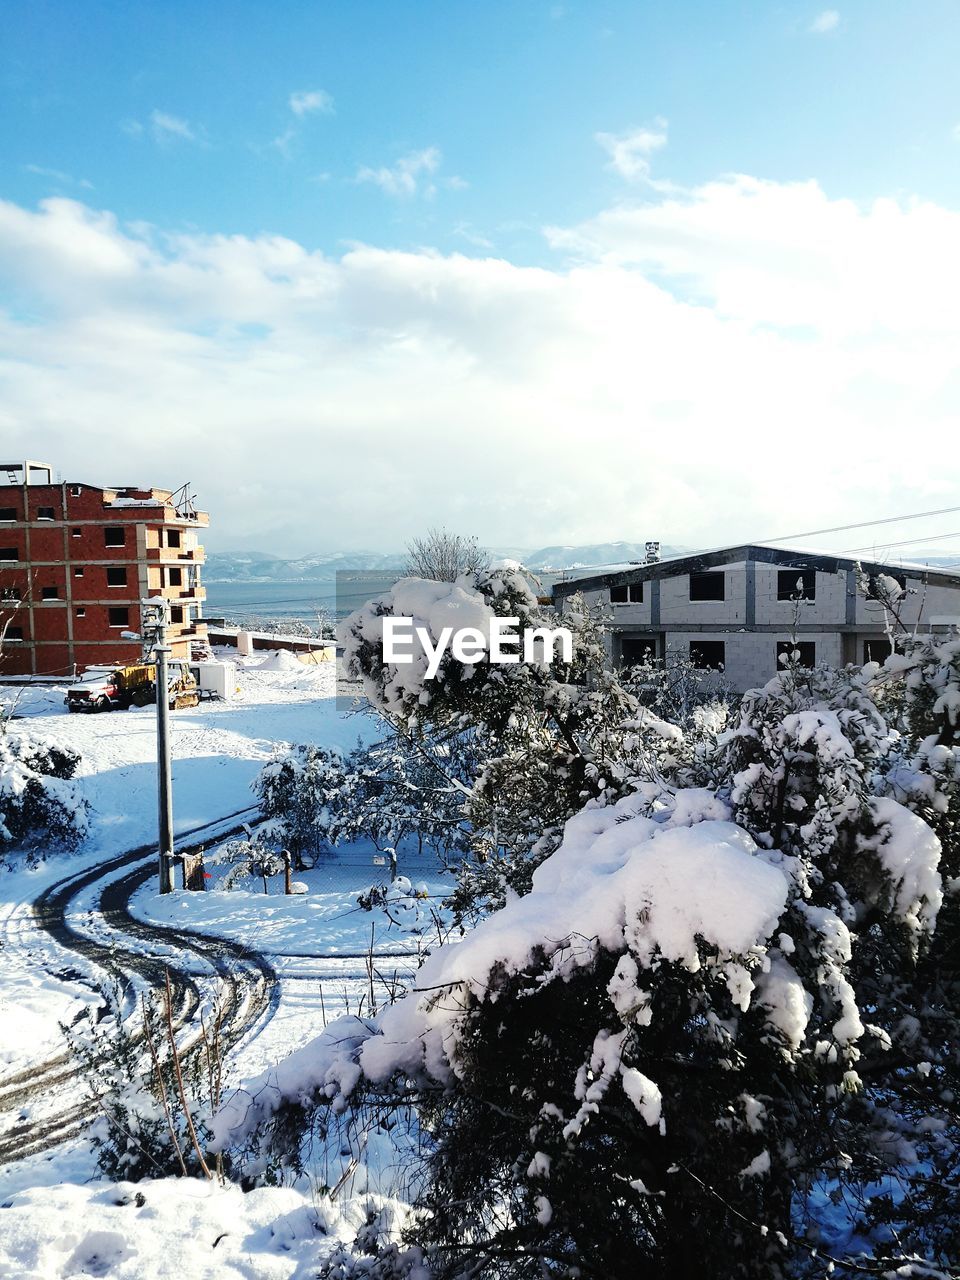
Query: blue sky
(511, 95)
(431, 249)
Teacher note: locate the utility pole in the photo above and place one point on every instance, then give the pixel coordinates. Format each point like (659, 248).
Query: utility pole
(161, 651)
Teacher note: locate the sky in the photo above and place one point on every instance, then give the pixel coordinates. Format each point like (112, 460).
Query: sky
(538, 272)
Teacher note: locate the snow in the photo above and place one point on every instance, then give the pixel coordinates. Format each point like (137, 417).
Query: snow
(57, 1219)
(218, 747)
(786, 1000)
(909, 853)
(168, 1229)
(643, 1093)
(758, 1166)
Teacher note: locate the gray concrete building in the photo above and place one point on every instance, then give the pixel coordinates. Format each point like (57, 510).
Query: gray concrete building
(737, 608)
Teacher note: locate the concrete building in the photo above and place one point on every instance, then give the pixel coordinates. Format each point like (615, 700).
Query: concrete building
(75, 562)
(735, 609)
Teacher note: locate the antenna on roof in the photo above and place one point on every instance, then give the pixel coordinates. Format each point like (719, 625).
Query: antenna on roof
(185, 502)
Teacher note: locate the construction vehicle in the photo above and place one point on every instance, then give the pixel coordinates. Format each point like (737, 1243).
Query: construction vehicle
(106, 688)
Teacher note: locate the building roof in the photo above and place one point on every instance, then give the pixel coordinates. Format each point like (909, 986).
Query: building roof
(786, 557)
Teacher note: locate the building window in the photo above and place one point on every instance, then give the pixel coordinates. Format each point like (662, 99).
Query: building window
(10, 594)
(50, 593)
(173, 537)
(45, 513)
(707, 586)
(877, 650)
(708, 655)
(9, 553)
(795, 584)
(805, 650)
(116, 577)
(13, 633)
(114, 536)
(873, 592)
(118, 617)
(75, 491)
(81, 612)
(174, 577)
(8, 514)
(176, 614)
(632, 594)
(78, 572)
(74, 533)
(637, 649)
(618, 595)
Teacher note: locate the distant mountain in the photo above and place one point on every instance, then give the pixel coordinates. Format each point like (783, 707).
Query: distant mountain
(255, 566)
(592, 555)
(258, 566)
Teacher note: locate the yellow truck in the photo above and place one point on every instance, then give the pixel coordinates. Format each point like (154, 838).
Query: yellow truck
(106, 688)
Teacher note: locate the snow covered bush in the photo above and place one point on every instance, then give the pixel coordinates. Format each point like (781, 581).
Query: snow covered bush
(40, 807)
(403, 787)
(705, 1027)
(522, 747)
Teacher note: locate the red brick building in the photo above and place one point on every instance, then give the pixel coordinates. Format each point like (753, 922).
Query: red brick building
(75, 562)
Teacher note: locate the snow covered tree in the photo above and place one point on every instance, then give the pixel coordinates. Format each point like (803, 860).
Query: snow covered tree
(41, 807)
(543, 737)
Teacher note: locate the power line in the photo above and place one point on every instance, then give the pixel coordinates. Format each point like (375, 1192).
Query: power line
(863, 524)
(905, 542)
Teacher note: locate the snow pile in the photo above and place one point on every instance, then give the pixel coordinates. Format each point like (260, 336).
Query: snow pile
(686, 886)
(281, 660)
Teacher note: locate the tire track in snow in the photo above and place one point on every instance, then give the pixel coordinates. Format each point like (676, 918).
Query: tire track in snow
(136, 955)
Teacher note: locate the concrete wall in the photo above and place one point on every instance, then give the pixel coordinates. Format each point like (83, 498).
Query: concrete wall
(751, 656)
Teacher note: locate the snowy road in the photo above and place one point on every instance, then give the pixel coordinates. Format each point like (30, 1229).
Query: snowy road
(43, 1104)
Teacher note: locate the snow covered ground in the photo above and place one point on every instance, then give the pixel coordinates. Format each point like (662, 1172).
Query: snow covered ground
(55, 1221)
(170, 1229)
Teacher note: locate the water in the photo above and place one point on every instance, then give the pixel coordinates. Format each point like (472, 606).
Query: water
(300, 600)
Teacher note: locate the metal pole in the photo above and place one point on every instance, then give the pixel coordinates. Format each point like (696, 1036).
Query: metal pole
(164, 779)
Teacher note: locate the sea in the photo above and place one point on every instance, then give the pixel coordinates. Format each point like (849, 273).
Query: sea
(249, 601)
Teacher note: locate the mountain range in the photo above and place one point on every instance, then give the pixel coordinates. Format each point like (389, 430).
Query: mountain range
(258, 566)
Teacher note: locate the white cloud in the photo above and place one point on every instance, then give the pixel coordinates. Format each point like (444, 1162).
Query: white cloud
(166, 126)
(733, 362)
(824, 22)
(57, 175)
(307, 101)
(630, 152)
(408, 175)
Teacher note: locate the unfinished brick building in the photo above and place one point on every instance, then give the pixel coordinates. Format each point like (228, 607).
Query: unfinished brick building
(75, 562)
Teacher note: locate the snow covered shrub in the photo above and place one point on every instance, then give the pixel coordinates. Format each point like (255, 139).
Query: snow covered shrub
(40, 807)
(921, 683)
(709, 1007)
(248, 859)
(154, 1099)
